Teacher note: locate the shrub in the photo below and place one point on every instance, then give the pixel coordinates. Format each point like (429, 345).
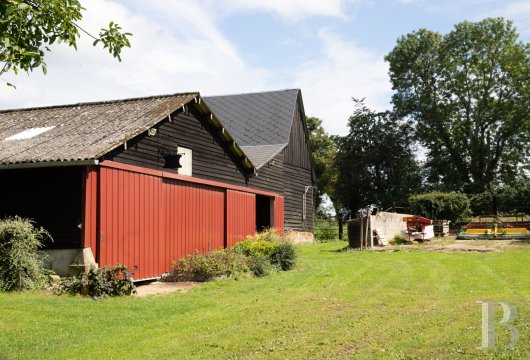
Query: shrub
(507, 200)
(251, 247)
(326, 229)
(20, 266)
(437, 205)
(260, 265)
(204, 267)
(269, 234)
(107, 281)
(284, 257)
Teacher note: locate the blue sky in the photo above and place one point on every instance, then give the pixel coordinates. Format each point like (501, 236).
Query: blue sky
(333, 50)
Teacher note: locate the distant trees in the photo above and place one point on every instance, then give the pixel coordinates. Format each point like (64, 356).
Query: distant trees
(465, 98)
(467, 94)
(375, 162)
(323, 151)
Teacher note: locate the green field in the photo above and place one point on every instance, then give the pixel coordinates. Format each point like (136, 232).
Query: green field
(335, 305)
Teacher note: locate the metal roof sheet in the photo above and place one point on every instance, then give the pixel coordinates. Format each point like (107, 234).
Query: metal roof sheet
(81, 131)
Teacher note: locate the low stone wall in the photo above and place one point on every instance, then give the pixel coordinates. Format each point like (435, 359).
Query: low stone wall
(68, 262)
(391, 224)
(300, 237)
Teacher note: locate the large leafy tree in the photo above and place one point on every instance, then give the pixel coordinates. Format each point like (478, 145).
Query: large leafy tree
(376, 161)
(468, 94)
(29, 27)
(323, 151)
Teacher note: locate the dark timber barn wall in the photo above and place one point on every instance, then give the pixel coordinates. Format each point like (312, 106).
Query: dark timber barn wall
(297, 174)
(210, 160)
(274, 122)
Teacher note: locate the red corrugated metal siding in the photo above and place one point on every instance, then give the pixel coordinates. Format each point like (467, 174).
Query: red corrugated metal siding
(90, 208)
(147, 221)
(240, 216)
(278, 214)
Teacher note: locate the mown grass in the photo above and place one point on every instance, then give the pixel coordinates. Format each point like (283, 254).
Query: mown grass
(334, 305)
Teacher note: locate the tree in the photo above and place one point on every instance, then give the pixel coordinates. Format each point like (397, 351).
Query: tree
(468, 94)
(375, 161)
(323, 151)
(29, 27)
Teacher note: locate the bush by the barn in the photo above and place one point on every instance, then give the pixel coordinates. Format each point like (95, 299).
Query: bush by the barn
(260, 265)
(438, 205)
(204, 267)
(269, 234)
(284, 257)
(250, 247)
(107, 281)
(20, 265)
(282, 254)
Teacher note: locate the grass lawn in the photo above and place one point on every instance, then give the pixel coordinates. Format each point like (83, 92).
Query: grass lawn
(404, 304)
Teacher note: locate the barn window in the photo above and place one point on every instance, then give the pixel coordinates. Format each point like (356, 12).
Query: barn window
(29, 133)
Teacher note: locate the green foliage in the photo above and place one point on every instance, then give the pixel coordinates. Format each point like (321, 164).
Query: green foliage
(284, 256)
(107, 281)
(269, 234)
(29, 27)
(441, 206)
(512, 199)
(205, 267)
(260, 265)
(375, 161)
(468, 93)
(20, 266)
(323, 150)
(250, 247)
(326, 230)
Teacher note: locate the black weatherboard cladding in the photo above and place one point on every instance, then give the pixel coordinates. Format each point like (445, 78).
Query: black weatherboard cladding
(269, 126)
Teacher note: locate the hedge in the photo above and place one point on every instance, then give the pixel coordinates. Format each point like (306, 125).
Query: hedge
(437, 206)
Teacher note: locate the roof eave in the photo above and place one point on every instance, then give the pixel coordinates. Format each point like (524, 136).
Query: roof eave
(48, 164)
(225, 137)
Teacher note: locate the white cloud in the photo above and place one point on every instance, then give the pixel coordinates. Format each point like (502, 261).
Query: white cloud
(176, 47)
(292, 10)
(517, 11)
(343, 71)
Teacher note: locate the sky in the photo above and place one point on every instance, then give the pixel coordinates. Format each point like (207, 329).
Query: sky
(332, 50)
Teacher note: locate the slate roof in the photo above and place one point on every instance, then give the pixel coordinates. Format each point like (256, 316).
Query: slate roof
(262, 154)
(87, 131)
(261, 120)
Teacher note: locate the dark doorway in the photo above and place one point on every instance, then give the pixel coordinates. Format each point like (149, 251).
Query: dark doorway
(263, 212)
(52, 197)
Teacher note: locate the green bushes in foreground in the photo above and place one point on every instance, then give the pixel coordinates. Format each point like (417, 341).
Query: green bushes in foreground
(20, 265)
(257, 255)
(107, 281)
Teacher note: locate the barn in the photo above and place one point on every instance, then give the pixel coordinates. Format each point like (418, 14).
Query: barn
(140, 182)
(271, 129)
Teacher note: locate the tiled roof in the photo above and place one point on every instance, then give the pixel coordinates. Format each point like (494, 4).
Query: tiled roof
(263, 118)
(262, 154)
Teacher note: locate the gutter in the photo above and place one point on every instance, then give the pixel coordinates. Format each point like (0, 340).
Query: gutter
(48, 164)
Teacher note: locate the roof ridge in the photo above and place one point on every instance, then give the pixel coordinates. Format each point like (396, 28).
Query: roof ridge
(251, 93)
(98, 102)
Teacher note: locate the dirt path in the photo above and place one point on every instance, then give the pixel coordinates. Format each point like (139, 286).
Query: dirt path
(160, 287)
(450, 244)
